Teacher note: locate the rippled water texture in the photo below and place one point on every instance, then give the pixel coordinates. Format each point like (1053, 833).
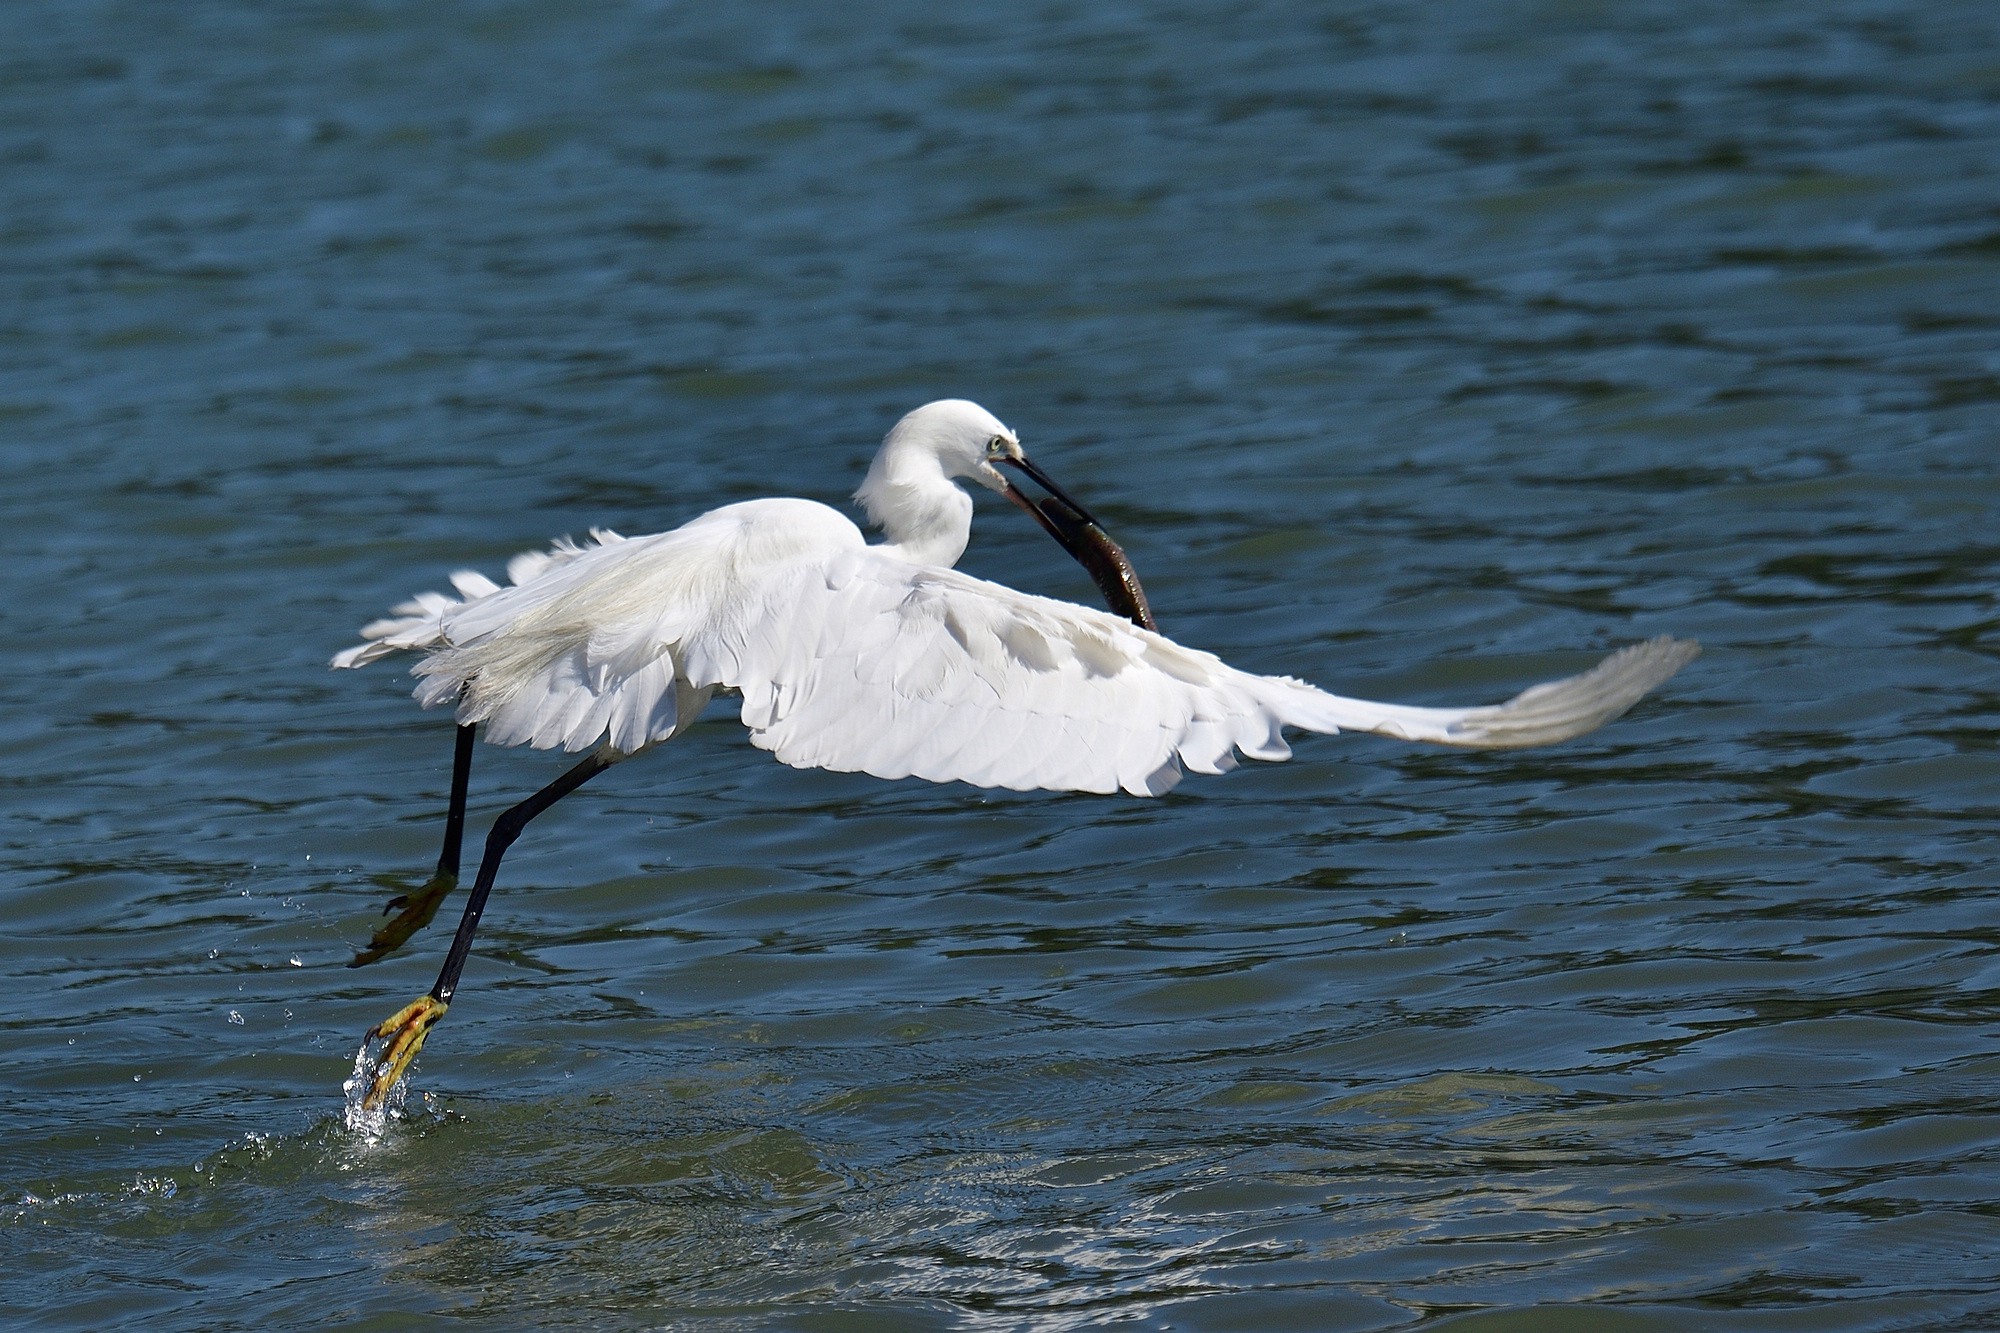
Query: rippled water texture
(1421, 350)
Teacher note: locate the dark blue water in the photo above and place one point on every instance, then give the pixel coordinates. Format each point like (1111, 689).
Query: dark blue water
(1422, 351)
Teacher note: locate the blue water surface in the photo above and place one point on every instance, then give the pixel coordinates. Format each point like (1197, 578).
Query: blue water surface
(1421, 351)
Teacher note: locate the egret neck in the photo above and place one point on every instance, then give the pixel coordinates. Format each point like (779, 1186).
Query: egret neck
(911, 492)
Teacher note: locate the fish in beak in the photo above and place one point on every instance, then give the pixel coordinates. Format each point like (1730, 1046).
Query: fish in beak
(1077, 532)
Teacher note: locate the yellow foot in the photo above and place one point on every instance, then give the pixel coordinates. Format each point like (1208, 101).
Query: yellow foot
(404, 1032)
(418, 909)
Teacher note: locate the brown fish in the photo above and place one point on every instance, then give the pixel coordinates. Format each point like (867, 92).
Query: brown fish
(1088, 544)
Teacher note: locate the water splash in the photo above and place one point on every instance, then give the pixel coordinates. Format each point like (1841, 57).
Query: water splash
(163, 1187)
(370, 1123)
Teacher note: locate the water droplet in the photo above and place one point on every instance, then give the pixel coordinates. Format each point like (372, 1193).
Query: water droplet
(135, 1078)
(236, 1018)
(298, 961)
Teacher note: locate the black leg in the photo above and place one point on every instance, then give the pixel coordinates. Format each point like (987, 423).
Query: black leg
(505, 829)
(419, 907)
(403, 1032)
(454, 820)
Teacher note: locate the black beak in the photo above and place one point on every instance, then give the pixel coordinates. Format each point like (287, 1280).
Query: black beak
(1077, 532)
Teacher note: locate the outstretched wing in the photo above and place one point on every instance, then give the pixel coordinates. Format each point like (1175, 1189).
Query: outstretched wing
(863, 663)
(586, 646)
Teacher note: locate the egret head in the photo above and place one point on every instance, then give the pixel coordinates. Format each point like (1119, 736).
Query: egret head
(964, 438)
(909, 493)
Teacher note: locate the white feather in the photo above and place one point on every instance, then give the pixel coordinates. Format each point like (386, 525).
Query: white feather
(883, 660)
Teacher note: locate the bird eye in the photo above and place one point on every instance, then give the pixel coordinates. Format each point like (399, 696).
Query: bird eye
(996, 446)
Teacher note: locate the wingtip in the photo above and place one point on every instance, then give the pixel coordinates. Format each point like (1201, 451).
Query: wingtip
(1682, 651)
(1561, 710)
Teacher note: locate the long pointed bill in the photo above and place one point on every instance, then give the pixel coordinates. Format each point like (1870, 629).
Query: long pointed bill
(1077, 532)
(1047, 483)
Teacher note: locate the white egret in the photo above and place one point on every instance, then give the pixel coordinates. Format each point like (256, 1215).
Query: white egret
(874, 659)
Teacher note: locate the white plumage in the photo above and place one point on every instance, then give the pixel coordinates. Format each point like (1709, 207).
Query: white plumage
(884, 660)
